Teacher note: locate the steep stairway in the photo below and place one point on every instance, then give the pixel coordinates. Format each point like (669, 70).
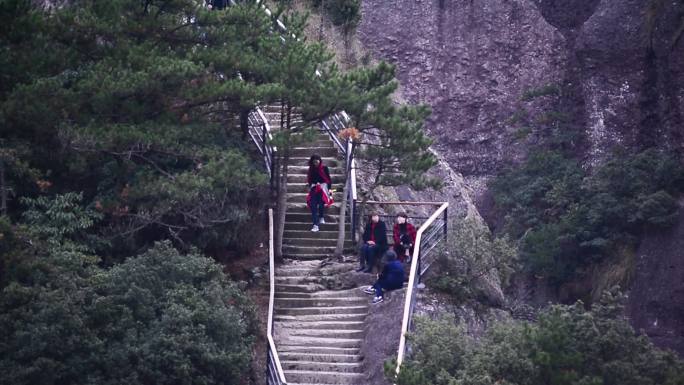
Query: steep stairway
(298, 240)
(318, 332)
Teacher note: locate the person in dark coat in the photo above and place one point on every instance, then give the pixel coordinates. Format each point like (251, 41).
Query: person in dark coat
(391, 278)
(319, 184)
(374, 243)
(404, 236)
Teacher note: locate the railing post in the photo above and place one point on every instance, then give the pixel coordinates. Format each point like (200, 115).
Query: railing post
(446, 224)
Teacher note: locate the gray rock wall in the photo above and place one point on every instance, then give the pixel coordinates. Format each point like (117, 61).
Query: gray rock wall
(618, 63)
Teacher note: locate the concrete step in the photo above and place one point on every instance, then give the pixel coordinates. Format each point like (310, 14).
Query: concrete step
(298, 349)
(303, 169)
(317, 377)
(303, 160)
(307, 234)
(320, 302)
(306, 227)
(285, 287)
(345, 367)
(316, 242)
(306, 217)
(319, 357)
(356, 317)
(321, 250)
(346, 310)
(324, 325)
(302, 208)
(356, 292)
(306, 256)
(336, 179)
(300, 280)
(294, 271)
(327, 333)
(328, 152)
(301, 196)
(322, 341)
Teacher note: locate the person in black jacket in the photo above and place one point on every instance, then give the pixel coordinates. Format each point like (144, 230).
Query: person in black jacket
(391, 278)
(374, 242)
(319, 183)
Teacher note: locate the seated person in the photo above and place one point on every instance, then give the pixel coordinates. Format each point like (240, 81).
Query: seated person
(391, 278)
(404, 235)
(374, 243)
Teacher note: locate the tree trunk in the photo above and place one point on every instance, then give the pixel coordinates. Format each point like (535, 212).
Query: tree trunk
(3, 189)
(282, 187)
(281, 205)
(341, 235)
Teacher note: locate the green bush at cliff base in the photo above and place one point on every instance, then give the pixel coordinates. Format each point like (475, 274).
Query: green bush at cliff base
(569, 345)
(346, 13)
(568, 218)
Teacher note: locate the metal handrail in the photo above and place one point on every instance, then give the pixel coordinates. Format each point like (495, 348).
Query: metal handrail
(275, 369)
(414, 278)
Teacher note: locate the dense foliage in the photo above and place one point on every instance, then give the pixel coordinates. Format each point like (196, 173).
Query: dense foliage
(161, 317)
(569, 345)
(569, 217)
(474, 264)
(345, 13)
(123, 152)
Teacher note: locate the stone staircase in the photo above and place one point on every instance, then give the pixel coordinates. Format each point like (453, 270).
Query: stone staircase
(298, 240)
(318, 332)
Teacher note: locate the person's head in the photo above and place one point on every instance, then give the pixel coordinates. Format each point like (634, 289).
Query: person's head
(390, 255)
(402, 218)
(374, 217)
(315, 160)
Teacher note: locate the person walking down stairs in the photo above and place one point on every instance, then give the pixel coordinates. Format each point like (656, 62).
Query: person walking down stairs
(319, 184)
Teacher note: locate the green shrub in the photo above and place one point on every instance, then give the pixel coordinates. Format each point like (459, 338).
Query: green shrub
(346, 13)
(162, 317)
(569, 345)
(568, 218)
(473, 254)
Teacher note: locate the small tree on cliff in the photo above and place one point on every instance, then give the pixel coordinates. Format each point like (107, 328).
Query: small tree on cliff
(390, 138)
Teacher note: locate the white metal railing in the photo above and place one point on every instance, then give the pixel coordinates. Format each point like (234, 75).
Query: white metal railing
(275, 369)
(427, 238)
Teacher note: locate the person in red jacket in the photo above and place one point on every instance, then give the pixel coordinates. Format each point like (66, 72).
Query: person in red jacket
(404, 235)
(319, 183)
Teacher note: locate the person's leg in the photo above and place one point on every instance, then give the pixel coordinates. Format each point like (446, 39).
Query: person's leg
(363, 256)
(378, 288)
(370, 259)
(315, 200)
(321, 208)
(401, 252)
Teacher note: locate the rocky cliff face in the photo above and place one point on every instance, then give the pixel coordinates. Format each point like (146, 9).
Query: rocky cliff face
(615, 65)
(613, 69)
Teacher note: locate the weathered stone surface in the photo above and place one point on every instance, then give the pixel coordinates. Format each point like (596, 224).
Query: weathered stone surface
(656, 299)
(471, 62)
(618, 63)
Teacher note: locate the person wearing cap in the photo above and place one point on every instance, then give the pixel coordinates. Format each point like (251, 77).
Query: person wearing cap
(391, 278)
(374, 243)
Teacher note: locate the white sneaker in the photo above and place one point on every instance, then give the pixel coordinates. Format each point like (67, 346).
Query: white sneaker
(377, 300)
(314, 228)
(322, 221)
(369, 290)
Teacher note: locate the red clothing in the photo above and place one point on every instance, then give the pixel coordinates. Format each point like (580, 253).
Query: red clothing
(327, 197)
(410, 230)
(319, 174)
(396, 235)
(372, 232)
